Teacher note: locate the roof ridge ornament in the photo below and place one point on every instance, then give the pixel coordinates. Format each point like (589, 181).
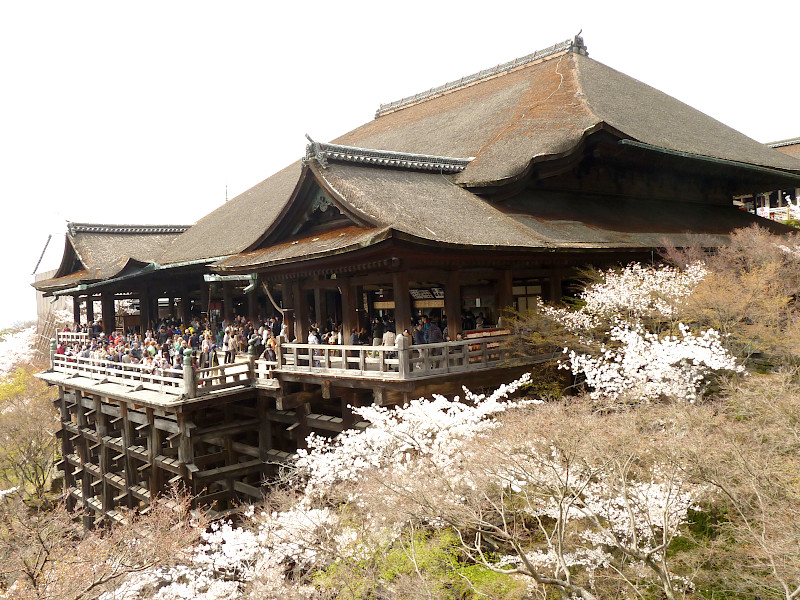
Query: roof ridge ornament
(322, 153)
(74, 228)
(575, 45)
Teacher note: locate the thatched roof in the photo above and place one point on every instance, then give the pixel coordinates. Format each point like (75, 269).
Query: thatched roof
(538, 108)
(96, 252)
(430, 209)
(544, 109)
(410, 171)
(238, 223)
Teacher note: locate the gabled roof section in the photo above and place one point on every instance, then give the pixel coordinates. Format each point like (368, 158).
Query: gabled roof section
(101, 251)
(543, 109)
(574, 45)
(239, 223)
(424, 205)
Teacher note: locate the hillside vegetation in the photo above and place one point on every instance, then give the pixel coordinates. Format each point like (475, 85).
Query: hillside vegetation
(668, 468)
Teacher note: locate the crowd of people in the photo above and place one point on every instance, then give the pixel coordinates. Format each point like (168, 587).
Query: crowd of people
(163, 346)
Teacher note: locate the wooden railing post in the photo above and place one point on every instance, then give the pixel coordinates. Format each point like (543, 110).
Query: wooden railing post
(53, 348)
(402, 356)
(189, 383)
(251, 357)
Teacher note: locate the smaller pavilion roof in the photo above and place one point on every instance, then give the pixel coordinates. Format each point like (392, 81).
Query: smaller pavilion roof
(97, 251)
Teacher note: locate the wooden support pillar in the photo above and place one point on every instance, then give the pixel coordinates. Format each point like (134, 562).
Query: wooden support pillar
(227, 301)
(153, 450)
(184, 308)
(145, 310)
(205, 299)
(252, 305)
(101, 424)
(301, 312)
(109, 312)
(402, 301)
(76, 309)
(154, 296)
(301, 429)
(264, 429)
(84, 456)
(349, 313)
(89, 309)
(555, 285)
(452, 303)
(67, 447)
(320, 307)
(127, 441)
(288, 304)
(504, 295)
(171, 305)
(185, 444)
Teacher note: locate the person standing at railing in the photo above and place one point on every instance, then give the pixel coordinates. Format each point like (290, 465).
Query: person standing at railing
(226, 341)
(419, 335)
(271, 351)
(205, 351)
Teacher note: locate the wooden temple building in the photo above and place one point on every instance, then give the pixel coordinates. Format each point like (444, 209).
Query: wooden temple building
(478, 195)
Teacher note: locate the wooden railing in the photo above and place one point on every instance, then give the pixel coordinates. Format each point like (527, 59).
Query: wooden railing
(263, 371)
(390, 362)
(222, 377)
(72, 337)
(137, 377)
(368, 362)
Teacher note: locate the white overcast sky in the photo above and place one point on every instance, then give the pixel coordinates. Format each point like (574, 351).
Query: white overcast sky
(144, 112)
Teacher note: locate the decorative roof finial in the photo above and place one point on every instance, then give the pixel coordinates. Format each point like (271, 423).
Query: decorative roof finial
(314, 151)
(578, 46)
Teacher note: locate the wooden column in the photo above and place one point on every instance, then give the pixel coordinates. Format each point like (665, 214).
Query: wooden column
(76, 309)
(145, 310)
(227, 301)
(402, 301)
(101, 423)
(320, 306)
(504, 295)
(287, 300)
(89, 309)
(67, 447)
(301, 312)
(205, 298)
(184, 308)
(109, 314)
(252, 304)
(127, 441)
(349, 314)
(555, 285)
(171, 305)
(153, 450)
(452, 303)
(84, 456)
(264, 429)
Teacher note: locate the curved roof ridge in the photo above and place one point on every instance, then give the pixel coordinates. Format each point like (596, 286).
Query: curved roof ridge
(384, 158)
(781, 143)
(572, 45)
